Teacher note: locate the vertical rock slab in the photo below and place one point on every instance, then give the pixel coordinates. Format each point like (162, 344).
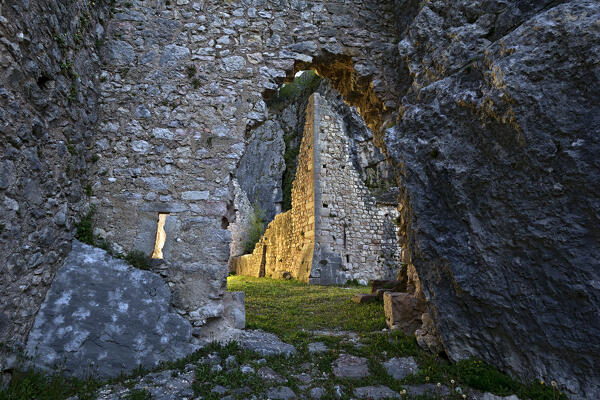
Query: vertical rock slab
(102, 316)
(498, 162)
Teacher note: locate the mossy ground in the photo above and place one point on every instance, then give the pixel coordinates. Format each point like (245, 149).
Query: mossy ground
(296, 312)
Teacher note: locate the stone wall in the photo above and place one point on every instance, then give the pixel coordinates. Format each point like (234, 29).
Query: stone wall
(48, 109)
(182, 83)
(335, 231)
(356, 237)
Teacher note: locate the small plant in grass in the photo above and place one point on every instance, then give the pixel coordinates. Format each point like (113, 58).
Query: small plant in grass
(190, 71)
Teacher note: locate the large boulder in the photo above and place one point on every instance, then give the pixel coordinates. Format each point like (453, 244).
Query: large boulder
(496, 151)
(102, 316)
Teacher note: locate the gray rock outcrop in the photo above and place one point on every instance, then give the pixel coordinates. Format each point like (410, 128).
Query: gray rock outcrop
(496, 150)
(102, 316)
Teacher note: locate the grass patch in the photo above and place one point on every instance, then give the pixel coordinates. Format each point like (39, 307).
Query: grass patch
(31, 384)
(290, 308)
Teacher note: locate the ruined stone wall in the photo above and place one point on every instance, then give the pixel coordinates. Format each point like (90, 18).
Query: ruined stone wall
(181, 84)
(288, 242)
(355, 237)
(329, 199)
(48, 108)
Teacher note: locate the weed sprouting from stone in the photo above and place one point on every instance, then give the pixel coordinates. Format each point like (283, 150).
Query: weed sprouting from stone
(138, 259)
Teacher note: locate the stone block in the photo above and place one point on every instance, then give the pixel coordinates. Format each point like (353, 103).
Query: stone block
(235, 309)
(101, 312)
(363, 298)
(402, 311)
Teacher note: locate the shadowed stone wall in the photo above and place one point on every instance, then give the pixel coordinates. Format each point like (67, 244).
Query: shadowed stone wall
(48, 110)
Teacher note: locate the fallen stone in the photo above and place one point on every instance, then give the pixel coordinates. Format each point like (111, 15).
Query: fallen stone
(375, 392)
(105, 315)
(247, 369)
(268, 374)
(219, 389)
(281, 393)
(349, 366)
(403, 311)
(317, 347)
(400, 368)
(316, 393)
(265, 344)
(490, 396)
(428, 389)
(387, 285)
(362, 298)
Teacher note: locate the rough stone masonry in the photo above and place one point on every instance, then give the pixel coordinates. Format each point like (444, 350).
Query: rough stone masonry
(494, 150)
(336, 230)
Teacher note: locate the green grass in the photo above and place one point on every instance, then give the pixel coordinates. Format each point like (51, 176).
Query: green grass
(293, 309)
(29, 384)
(290, 308)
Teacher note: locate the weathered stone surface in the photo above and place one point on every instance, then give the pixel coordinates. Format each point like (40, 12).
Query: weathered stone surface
(402, 311)
(235, 310)
(48, 111)
(400, 368)
(375, 392)
(102, 315)
(496, 150)
(317, 347)
(490, 396)
(264, 343)
(317, 393)
(428, 389)
(349, 366)
(281, 393)
(269, 375)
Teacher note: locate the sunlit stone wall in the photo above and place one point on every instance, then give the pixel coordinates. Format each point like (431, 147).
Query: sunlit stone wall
(336, 231)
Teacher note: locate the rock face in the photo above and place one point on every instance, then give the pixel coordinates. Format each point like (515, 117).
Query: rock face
(103, 316)
(48, 108)
(496, 153)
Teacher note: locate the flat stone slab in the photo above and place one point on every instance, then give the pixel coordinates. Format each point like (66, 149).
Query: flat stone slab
(317, 393)
(317, 347)
(269, 375)
(105, 317)
(375, 392)
(264, 343)
(400, 368)
(281, 393)
(427, 389)
(349, 366)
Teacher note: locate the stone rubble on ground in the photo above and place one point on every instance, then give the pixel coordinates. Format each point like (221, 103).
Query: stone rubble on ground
(349, 366)
(400, 368)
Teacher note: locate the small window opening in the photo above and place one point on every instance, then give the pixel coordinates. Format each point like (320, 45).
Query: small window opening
(325, 205)
(44, 82)
(161, 236)
(348, 258)
(324, 165)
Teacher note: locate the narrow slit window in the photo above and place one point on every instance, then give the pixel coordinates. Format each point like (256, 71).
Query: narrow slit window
(161, 236)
